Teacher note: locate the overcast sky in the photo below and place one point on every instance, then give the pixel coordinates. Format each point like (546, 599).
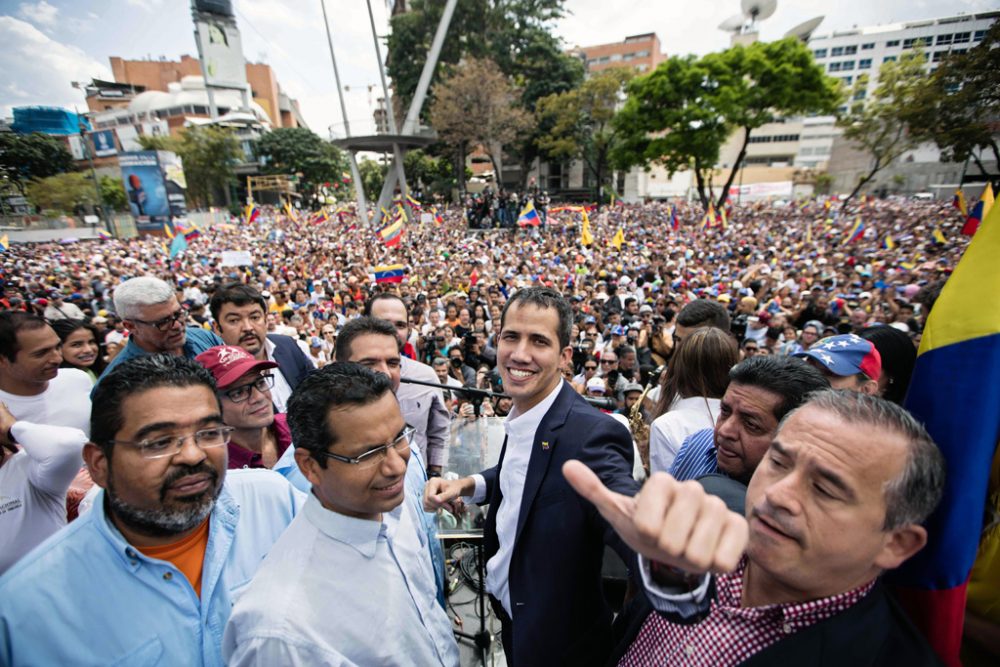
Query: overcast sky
(47, 44)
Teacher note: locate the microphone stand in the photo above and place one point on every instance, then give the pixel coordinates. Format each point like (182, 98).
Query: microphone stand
(476, 395)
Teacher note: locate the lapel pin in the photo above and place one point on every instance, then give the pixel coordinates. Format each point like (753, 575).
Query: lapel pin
(545, 444)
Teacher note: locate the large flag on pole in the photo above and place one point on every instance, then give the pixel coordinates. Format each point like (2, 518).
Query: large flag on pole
(856, 232)
(955, 393)
(389, 273)
(618, 239)
(586, 237)
(958, 201)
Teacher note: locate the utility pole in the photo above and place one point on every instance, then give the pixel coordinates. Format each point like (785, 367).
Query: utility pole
(93, 172)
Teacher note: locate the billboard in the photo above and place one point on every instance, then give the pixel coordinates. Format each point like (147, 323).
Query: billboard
(104, 143)
(222, 51)
(154, 183)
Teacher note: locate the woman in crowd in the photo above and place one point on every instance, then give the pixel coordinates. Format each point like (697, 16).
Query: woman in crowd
(80, 346)
(695, 381)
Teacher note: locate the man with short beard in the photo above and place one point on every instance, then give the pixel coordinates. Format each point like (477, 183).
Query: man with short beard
(171, 539)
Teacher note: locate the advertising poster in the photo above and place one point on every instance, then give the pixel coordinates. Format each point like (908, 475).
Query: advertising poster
(223, 53)
(128, 138)
(150, 194)
(76, 147)
(104, 143)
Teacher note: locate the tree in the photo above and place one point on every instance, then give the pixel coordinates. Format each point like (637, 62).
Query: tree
(703, 100)
(61, 194)
(476, 105)
(113, 193)
(27, 156)
(579, 122)
(372, 177)
(209, 154)
(957, 109)
(879, 126)
(297, 150)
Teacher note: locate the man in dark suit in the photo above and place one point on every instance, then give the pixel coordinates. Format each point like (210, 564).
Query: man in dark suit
(240, 314)
(544, 544)
(837, 500)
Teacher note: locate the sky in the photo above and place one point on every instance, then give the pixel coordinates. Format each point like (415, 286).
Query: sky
(45, 45)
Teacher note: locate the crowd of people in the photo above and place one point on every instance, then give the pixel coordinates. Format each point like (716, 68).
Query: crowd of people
(250, 457)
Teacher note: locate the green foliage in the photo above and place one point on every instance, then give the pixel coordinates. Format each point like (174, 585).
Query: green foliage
(435, 175)
(297, 150)
(680, 114)
(879, 125)
(577, 123)
(372, 177)
(27, 156)
(957, 107)
(62, 194)
(113, 193)
(209, 155)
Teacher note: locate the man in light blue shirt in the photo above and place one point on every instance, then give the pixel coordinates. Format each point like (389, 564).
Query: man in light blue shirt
(157, 324)
(150, 574)
(350, 582)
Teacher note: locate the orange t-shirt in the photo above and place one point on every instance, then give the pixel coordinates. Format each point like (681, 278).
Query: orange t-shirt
(187, 555)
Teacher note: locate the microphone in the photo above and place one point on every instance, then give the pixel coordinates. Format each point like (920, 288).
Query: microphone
(472, 391)
(602, 402)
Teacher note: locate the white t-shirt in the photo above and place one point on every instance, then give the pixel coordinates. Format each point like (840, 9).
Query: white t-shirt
(66, 402)
(33, 484)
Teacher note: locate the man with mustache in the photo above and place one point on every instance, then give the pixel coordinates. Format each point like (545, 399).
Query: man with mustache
(170, 543)
(157, 323)
(240, 314)
(35, 474)
(838, 499)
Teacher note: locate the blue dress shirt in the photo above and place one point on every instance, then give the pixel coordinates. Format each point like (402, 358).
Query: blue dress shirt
(197, 341)
(696, 457)
(87, 597)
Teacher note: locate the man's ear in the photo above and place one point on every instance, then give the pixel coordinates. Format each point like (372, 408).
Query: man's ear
(128, 324)
(308, 466)
(901, 544)
(97, 464)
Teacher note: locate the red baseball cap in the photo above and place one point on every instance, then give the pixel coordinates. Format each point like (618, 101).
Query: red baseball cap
(228, 363)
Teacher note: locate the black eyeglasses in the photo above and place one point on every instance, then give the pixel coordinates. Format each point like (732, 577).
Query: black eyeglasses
(590, 368)
(166, 322)
(242, 393)
(607, 362)
(375, 456)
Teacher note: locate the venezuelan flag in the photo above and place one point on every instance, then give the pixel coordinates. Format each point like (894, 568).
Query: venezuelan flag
(291, 212)
(856, 232)
(414, 204)
(392, 234)
(4, 243)
(888, 243)
(979, 211)
(938, 236)
(955, 393)
(723, 219)
(167, 231)
(319, 218)
(389, 273)
(250, 213)
(958, 201)
(103, 235)
(437, 216)
(675, 221)
(529, 216)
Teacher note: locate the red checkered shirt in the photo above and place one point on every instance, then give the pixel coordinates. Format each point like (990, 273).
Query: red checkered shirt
(730, 634)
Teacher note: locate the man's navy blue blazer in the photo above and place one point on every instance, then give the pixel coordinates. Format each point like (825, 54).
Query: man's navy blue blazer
(291, 359)
(559, 611)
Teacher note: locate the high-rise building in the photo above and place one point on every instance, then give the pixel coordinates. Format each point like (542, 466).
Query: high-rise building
(640, 52)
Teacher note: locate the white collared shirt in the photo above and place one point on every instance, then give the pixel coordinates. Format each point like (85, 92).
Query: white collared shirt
(338, 590)
(668, 432)
(281, 391)
(520, 430)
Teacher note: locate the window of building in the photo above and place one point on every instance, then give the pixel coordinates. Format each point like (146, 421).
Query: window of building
(615, 57)
(891, 43)
(958, 52)
(834, 67)
(889, 59)
(865, 63)
(850, 50)
(642, 54)
(842, 109)
(642, 68)
(943, 39)
(848, 79)
(846, 65)
(868, 47)
(628, 56)
(914, 42)
(979, 36)
(860, 95)
(837, 51)
(961, 37)
(821, 53)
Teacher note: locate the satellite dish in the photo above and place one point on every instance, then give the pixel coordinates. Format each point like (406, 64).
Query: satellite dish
(805, 29)
(758, 10)
(733, 24)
